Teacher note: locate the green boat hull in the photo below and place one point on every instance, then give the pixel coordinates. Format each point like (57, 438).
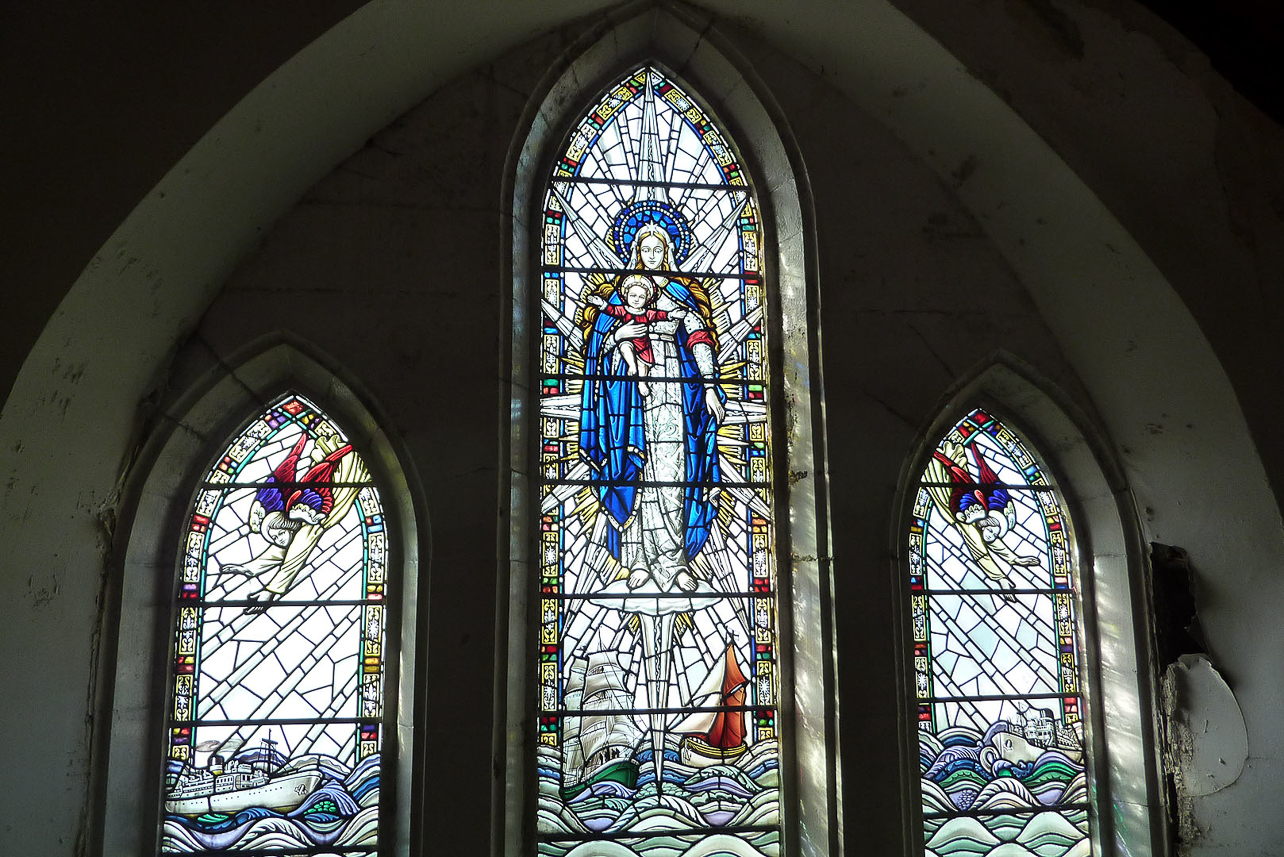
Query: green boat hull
(622, 771)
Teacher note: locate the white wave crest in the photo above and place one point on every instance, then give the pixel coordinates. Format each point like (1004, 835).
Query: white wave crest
(718, 845)
(1005, 793)
(963, 834)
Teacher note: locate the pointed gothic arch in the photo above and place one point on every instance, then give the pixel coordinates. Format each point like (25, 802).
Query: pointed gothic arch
(1078, 522)
(716, 97)
(372, 545)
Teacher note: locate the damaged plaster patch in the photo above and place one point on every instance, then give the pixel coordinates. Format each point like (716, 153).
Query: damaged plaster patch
(41, 593)
(1207, 736)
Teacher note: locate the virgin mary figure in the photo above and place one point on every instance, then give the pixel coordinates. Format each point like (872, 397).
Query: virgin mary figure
(654, 458)
(656, 455)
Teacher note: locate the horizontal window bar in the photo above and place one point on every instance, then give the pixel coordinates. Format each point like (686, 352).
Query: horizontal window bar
(983, 813)
(379, 602)
(732, 188)
(275, 484)
(650, 834)
(652, 379)
(284, 721)
(590, 712)
(998, 697)
(980, 592)
(642, 483)
(983, 485)
(283, 852)
(656, 272)
(624, 596)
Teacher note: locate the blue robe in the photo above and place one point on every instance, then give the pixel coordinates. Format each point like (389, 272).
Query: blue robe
(612, 440)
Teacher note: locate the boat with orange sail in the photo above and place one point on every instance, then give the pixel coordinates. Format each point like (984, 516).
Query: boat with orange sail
(716, 735)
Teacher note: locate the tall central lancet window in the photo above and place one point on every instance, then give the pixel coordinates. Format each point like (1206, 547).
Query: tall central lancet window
(993, 593)
(657, 666)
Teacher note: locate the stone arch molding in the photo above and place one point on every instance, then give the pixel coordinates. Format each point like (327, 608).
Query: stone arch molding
(156, 499)
(1113, 596)
(709, 69)
(70, 415)
(1137, 348)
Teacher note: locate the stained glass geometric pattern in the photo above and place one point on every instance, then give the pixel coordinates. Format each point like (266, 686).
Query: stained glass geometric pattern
(656, 666)
(274, 728)
(995, 651)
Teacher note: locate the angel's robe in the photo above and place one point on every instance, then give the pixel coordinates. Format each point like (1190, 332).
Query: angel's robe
(981, 551)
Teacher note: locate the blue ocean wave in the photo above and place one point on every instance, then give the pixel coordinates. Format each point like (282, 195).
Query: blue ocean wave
(342, 811)
(743, 793)
(960, 765)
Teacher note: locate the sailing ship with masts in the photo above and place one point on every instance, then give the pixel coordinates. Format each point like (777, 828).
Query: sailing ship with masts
(716, 735)
(598, 746)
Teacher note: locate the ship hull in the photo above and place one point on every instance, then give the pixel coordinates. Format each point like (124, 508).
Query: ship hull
(285, 793)
(698, 754)
(622, 771)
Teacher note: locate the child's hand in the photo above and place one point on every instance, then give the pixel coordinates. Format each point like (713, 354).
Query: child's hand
(597, 301)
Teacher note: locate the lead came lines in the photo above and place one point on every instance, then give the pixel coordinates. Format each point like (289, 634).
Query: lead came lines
(999, 711)
(611, 588)
(290, 667)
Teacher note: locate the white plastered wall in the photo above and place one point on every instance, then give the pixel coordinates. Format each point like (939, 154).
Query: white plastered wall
(68, 427)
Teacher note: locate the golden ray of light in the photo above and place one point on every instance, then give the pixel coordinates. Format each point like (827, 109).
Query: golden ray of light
(585, 507)
(726, 510)
(728, 368)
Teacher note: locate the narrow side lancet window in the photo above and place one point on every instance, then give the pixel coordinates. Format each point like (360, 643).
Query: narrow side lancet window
(994, 601)
(274, 729)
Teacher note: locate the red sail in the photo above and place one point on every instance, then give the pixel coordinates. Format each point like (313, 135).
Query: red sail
(728, 729)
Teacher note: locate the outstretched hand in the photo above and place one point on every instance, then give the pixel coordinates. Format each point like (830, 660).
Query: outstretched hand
(714, 405)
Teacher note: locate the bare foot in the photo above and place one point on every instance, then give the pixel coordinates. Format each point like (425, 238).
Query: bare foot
(638, 577)
(685, 581)
(644, 388)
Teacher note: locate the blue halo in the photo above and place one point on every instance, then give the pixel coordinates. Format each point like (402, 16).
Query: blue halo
(647, 211)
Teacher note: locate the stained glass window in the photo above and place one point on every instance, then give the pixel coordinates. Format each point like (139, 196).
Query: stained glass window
(656, 660)
(275, 720)
(996, 655)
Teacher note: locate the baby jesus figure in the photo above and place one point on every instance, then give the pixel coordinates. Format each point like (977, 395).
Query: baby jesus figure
(636, 292)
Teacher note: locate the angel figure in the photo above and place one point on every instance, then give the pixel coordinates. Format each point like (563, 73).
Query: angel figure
(978, 508)
(292, 512)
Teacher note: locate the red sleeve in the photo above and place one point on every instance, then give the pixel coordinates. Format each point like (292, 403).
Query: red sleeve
(694, 339)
